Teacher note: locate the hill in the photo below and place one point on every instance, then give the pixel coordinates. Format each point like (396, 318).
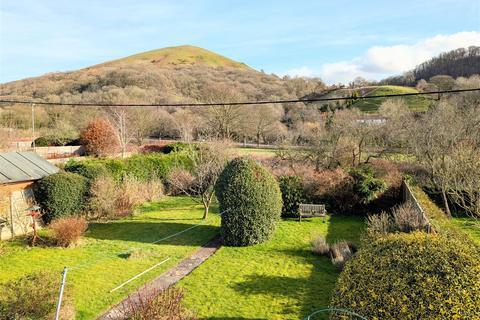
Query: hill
(169, 75)
(415, 103)
(180, 55)
(461, 62)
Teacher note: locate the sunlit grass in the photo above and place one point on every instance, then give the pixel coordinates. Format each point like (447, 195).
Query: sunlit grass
(280, 279)
(103, 259)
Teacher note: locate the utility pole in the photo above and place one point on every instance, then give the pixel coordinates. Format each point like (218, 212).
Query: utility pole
(33, 126)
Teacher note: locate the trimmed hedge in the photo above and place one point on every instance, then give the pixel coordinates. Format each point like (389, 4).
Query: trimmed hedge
(253, 198)
(54, 141)
(292, 195)
(412, 276)
(60, 195)
(141, 166)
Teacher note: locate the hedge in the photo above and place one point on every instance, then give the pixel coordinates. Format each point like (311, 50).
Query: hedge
(292, 195)
(141, 166)
(253, 200)
(412, 276)
(61, 194)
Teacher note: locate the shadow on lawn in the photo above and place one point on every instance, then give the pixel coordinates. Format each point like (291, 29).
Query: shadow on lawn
(148, 232)
(313, 292)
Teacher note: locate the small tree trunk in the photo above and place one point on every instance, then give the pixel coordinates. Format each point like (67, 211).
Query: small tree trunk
(445, 203)
(205, 211)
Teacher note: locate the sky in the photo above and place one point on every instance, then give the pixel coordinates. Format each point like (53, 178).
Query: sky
(334, 40)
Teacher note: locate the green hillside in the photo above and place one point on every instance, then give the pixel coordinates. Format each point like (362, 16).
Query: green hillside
(180, 55)
(415, 103)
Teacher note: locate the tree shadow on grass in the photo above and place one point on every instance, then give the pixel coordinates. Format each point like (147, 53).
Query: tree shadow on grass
(149, 232)
(312, 291)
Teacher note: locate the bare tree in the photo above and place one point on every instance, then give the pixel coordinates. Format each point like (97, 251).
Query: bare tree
(208, 162)
(222, 120)
(122, 120)
(260, 119)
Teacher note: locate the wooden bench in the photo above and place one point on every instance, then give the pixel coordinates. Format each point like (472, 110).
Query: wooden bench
(311, 210)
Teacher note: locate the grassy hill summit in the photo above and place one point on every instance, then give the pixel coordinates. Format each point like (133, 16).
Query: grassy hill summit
(180, 55)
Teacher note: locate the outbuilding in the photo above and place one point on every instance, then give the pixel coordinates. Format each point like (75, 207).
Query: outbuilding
(18, 173)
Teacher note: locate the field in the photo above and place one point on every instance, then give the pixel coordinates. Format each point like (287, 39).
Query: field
(280, 279)
(102, 259)
(415, 103)
(255, 152)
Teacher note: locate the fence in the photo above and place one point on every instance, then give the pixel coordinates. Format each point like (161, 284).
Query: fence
(408, 196)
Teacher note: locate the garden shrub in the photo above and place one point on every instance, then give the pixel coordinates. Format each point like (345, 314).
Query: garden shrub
(34, 296)
(412, 276)
(341, 252)
(103, 194)
(175, 147)
(130, 194)
(67, 231)
(366, 185)
(153, 190)
(253, 198)
(334, 188)
(407, 219)
(292, 195)
(156, 305)
(61, 195)
(99, 138)
(379, 224)
(320, 246)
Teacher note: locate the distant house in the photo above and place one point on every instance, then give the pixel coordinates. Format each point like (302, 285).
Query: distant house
(18, 173)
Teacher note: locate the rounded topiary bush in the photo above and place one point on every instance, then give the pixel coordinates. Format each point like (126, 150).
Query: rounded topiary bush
(253, 200)
(412, 276)
(61, 195)
(292, 195)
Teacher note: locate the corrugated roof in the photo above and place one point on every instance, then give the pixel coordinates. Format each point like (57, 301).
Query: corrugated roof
(24, 166)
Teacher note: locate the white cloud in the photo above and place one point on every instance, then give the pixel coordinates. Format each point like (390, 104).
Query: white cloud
(381, 61)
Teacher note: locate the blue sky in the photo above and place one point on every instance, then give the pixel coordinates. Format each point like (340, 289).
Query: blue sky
(336, 40)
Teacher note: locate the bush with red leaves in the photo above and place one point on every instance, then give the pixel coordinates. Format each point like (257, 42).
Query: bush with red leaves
(99, 138)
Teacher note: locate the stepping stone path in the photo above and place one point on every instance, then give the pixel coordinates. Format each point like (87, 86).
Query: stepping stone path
(165, 280)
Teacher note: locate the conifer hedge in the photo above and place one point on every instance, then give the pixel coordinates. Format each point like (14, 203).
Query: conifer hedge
(253, 200)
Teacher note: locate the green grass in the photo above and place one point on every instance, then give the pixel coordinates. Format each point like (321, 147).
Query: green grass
(182, 55)
(470, 226)
(103, 266)
(261, 152)
(280, 279)
(415, 103)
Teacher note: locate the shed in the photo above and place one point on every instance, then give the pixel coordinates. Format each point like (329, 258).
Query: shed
(18, 173)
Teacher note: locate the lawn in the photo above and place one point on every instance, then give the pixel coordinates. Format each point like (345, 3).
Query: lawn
(415, 103)
(101, 262)
(260, 152)
(280, 279)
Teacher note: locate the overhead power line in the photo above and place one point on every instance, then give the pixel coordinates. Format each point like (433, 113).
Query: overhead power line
(235, 103)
